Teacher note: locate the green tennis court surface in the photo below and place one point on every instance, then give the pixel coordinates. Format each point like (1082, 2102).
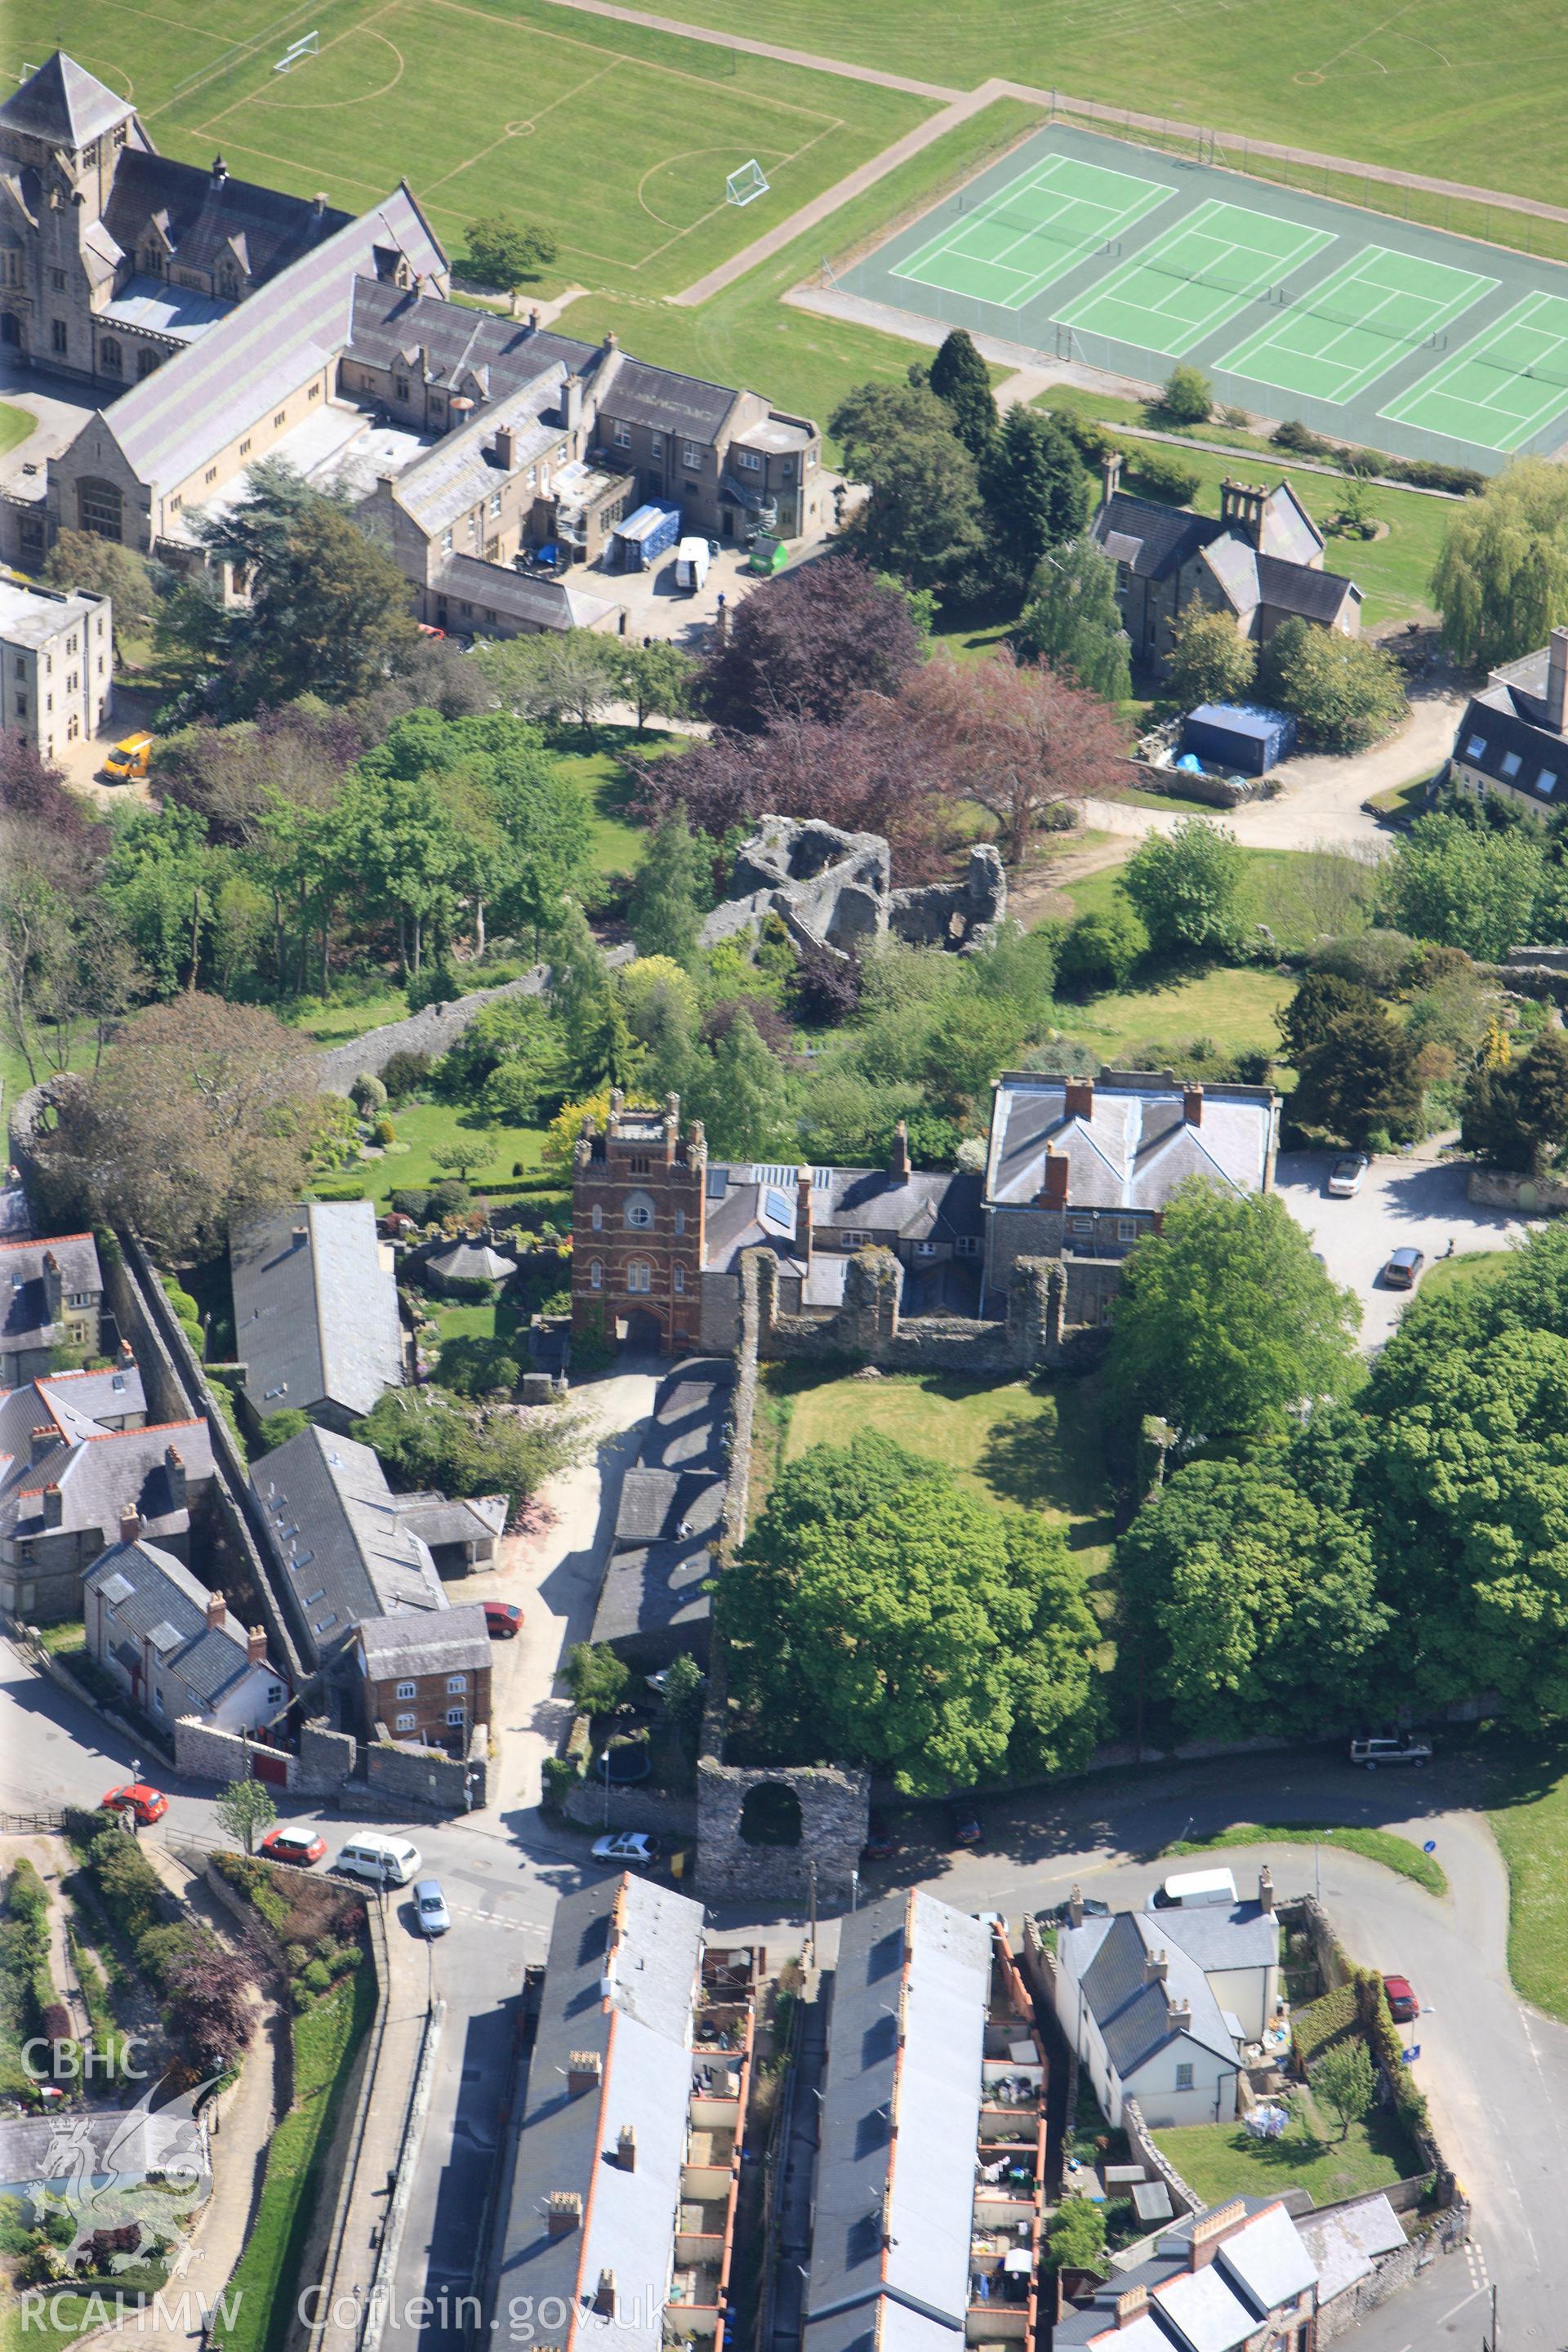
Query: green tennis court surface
(1506, 385)
(1196, 276)
(1331, 341)
(1032, 231)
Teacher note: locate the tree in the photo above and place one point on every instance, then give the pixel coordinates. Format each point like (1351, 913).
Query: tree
(1076, 2240)
(595, 1677)
(922, 519)
(1501, 580)
(683, 1682)
(32, 787)
(1360, 1080)
(245, 1809)
(1186, 397)
(202, 1114)
(1516, 1116)
(1477, 890)
(555, 676)
(1224, 1322)
(583, 998)
(672, 892)
(391, 844)
(1322, 998)
(960, 378)
(1013, 736)
(1103, 948)
(104, 567)
(426, 1438)
(745, 1103)
(1209, 661)
(1073, 622)
(279, 1428)
(1343, 692)
(1035, 490)
(658, 680)
(501, 254)
(1186, 885)
(880, 1612)
(805, 645)
(1345, 2080)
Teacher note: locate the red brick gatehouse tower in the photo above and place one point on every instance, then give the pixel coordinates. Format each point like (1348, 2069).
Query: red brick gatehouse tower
(638, 1198)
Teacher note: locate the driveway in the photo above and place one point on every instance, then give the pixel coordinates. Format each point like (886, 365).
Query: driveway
(1406, 1201)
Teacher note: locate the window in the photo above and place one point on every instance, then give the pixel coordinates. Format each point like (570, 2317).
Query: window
(145, 364)
(400, 387)
(639, 1164)
(623, 435)
(99, 509)
(58, 280)
(1184, 2078)
(80, 1298)
(211, 474)
(852, 1238)
(693, 488)
(158, 1702)
(456, 1685)
(679, 1281)
(405, 1690)
(680, 1221)
(1126, 1229)
(244, 449)
(447, 540)
(403, 1723)
(1512, 763)
(455, 1716)
(1546, 781)
(639, 1213)
(495, 502)
(1082, 1227)
(176, 503)
(314, 393)
(786, 471)
(966, 1245)
(599, 1219)
(750, 461)
(110, 358)
(1475, 748)
(57, 337)
(639, 1274)
(656, 443)
(691, 457)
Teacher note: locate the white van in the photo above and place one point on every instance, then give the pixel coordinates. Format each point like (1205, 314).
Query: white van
(384, 1860)
(692, 560)
(1194, 1890)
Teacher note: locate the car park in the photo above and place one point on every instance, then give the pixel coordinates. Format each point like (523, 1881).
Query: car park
(503, 1620)
(299, 1846)
(1402, 2003)
(1403, 1270)
(431, 1916)
(627, 1845)
(1346, 1174)
(136, 1798)
(1396, 1748)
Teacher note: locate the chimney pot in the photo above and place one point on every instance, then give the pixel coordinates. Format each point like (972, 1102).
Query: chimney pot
(563, 2212)
(1130, 2304)
(533, 318)
(1208, 2232)
(1157, 1969)
(626, 2147)
(130, 1526)
(1266, 1888)
(584, 2072)
(218, 1610)
(255, 1647)
(611, 339)
(1193, 1105)
(319, 202)
(220, 171)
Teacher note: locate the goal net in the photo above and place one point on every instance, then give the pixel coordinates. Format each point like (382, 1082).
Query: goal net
(305, 46)
(745, 186)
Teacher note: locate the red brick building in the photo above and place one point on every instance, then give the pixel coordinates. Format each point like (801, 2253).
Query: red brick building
(639, 1206)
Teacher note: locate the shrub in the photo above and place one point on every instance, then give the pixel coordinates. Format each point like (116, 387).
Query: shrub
(406, 1074)
(435, 984)
(1102, 950)
(1186, 397)
(1075, 2240)
(384, 1132)
(595, 1677)
(317, 1975)
(367, 1094)
(279, 1428)
(1377, 958)
(1162, 476)
(1293, 435)
(560, 1773)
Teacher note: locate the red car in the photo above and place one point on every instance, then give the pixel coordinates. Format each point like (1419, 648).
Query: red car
(1403, 2002)
(503, 1620)
(136, 1797)
(301, 1847)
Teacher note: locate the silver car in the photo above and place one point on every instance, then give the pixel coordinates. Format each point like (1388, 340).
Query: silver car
(431, 1916)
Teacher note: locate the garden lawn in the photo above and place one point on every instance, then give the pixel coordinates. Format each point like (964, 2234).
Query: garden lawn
(602, 774)
(425, 1127)
(263, 2289)
(1221, 2160)
(1239, 1011)
(1299, 893)
(1025, 1444)
(15, 423)
(1397, 1853)
(1470, 1266)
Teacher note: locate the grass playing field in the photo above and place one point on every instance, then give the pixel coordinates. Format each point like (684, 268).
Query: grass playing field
(617, 140)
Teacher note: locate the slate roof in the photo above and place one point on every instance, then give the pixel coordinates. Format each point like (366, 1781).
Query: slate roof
(163, 1598)
(1294, 588)
(755, 1208)
(1134, 1147)
(207, 218)
(391, 326)
(315, 1311)
(192, 407)
(538, 602)
(1505, 733)
(1153, 539)
(656, 1576)
(350, 1555)
(1106, 1957)
(621, 1981)
(1345, 2243)
(913, 1956)
(63, 104)
(80, 1403)
(667, 401)
(1156, 540)
(656, 1505)
(100, 1473)
(426, 1644)
(1214, 2308)
(1215, 1938)
(24, 1311)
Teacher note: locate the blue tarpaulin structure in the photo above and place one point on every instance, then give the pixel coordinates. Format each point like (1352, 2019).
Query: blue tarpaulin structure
(647, 534)
(1239, 735)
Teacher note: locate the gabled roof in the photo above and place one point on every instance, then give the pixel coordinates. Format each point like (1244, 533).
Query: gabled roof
(1262, 2261)
(350, 1554)
(1135, 2013)
(205, 217)
(429, 1642)
(1504, 735)
(99, 1473)
(24, 1318)
(1133, 1145)
(1295, 588)
(1152, 540)
(155, 1597)
(315, 1311)
(65, 104)
(667, 401)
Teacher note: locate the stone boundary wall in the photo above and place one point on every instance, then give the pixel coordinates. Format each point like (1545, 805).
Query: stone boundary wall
(390, 1779)
(636, 1807)
(336, 1068)
(1391, 2272)
(1499, 1188)
(333, 2186)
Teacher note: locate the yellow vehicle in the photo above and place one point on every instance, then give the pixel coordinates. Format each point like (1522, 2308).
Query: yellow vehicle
(129, 760)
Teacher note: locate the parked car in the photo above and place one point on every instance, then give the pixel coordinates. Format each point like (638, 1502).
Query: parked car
(431, 1916)
(627, 1845)
(879, 1840)
(147, 1805)
(1345, 1175)
(1403, 1270)
(1397, 1747)
(503, 1620)
(1061, 1917)
(301, 1847)
(965, 1825)
(380, 1861)
(1403, 2003)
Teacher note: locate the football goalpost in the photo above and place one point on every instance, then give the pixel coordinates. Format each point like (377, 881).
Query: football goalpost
(305, 46)
(745, 186)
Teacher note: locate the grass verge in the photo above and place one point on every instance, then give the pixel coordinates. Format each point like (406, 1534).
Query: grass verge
(1222, 2160)
(1397, 1853)
(1528, 1810)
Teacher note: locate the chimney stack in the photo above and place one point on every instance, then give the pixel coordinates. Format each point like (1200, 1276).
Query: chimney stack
(506, 448)
(1079, 1098)
(626, 2147)
(1213, 2227)
(802, 1236)
(571, 403)
(130, 1523)
(174, 1470)
(1156, 1967)
(42, 1441)
(605, 2295)
(899, 1162)
(1054, 1182)
(220, 172)
(612, 340)
(1193, 1105)
(54, 1288)
(563, 2212)
(584, 2072)
(255, 1647)
(1075, 1905)
(1109, 474)
(1557, 682)
(217, 1611)
(533, 319)
(1130, 2304)
(127, 1356)
(319, 202)
(54, 1510)
(1180, 2012)
(1266, 1889)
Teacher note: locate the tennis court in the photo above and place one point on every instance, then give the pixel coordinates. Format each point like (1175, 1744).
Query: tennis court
(1018, 240)
(1334, 341)
(1197, 276)
(1502, 387)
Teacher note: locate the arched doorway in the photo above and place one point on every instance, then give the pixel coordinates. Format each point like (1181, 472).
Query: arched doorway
(10, 331)
(644, 1334)
(771, 1815)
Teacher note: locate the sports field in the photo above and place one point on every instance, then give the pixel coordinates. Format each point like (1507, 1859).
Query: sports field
(1125, 258)
(616, 139)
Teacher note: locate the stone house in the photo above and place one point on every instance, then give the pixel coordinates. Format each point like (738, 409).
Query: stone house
(56, 665)
(1260, 562)
(424, 1677)
(171, 1644)
(1239, 2277)
(316, 1320)
(1513, 737)
(51, 1296)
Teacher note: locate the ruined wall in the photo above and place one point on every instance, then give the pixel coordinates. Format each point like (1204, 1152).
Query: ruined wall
(835, 1804)
(869, 1328)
